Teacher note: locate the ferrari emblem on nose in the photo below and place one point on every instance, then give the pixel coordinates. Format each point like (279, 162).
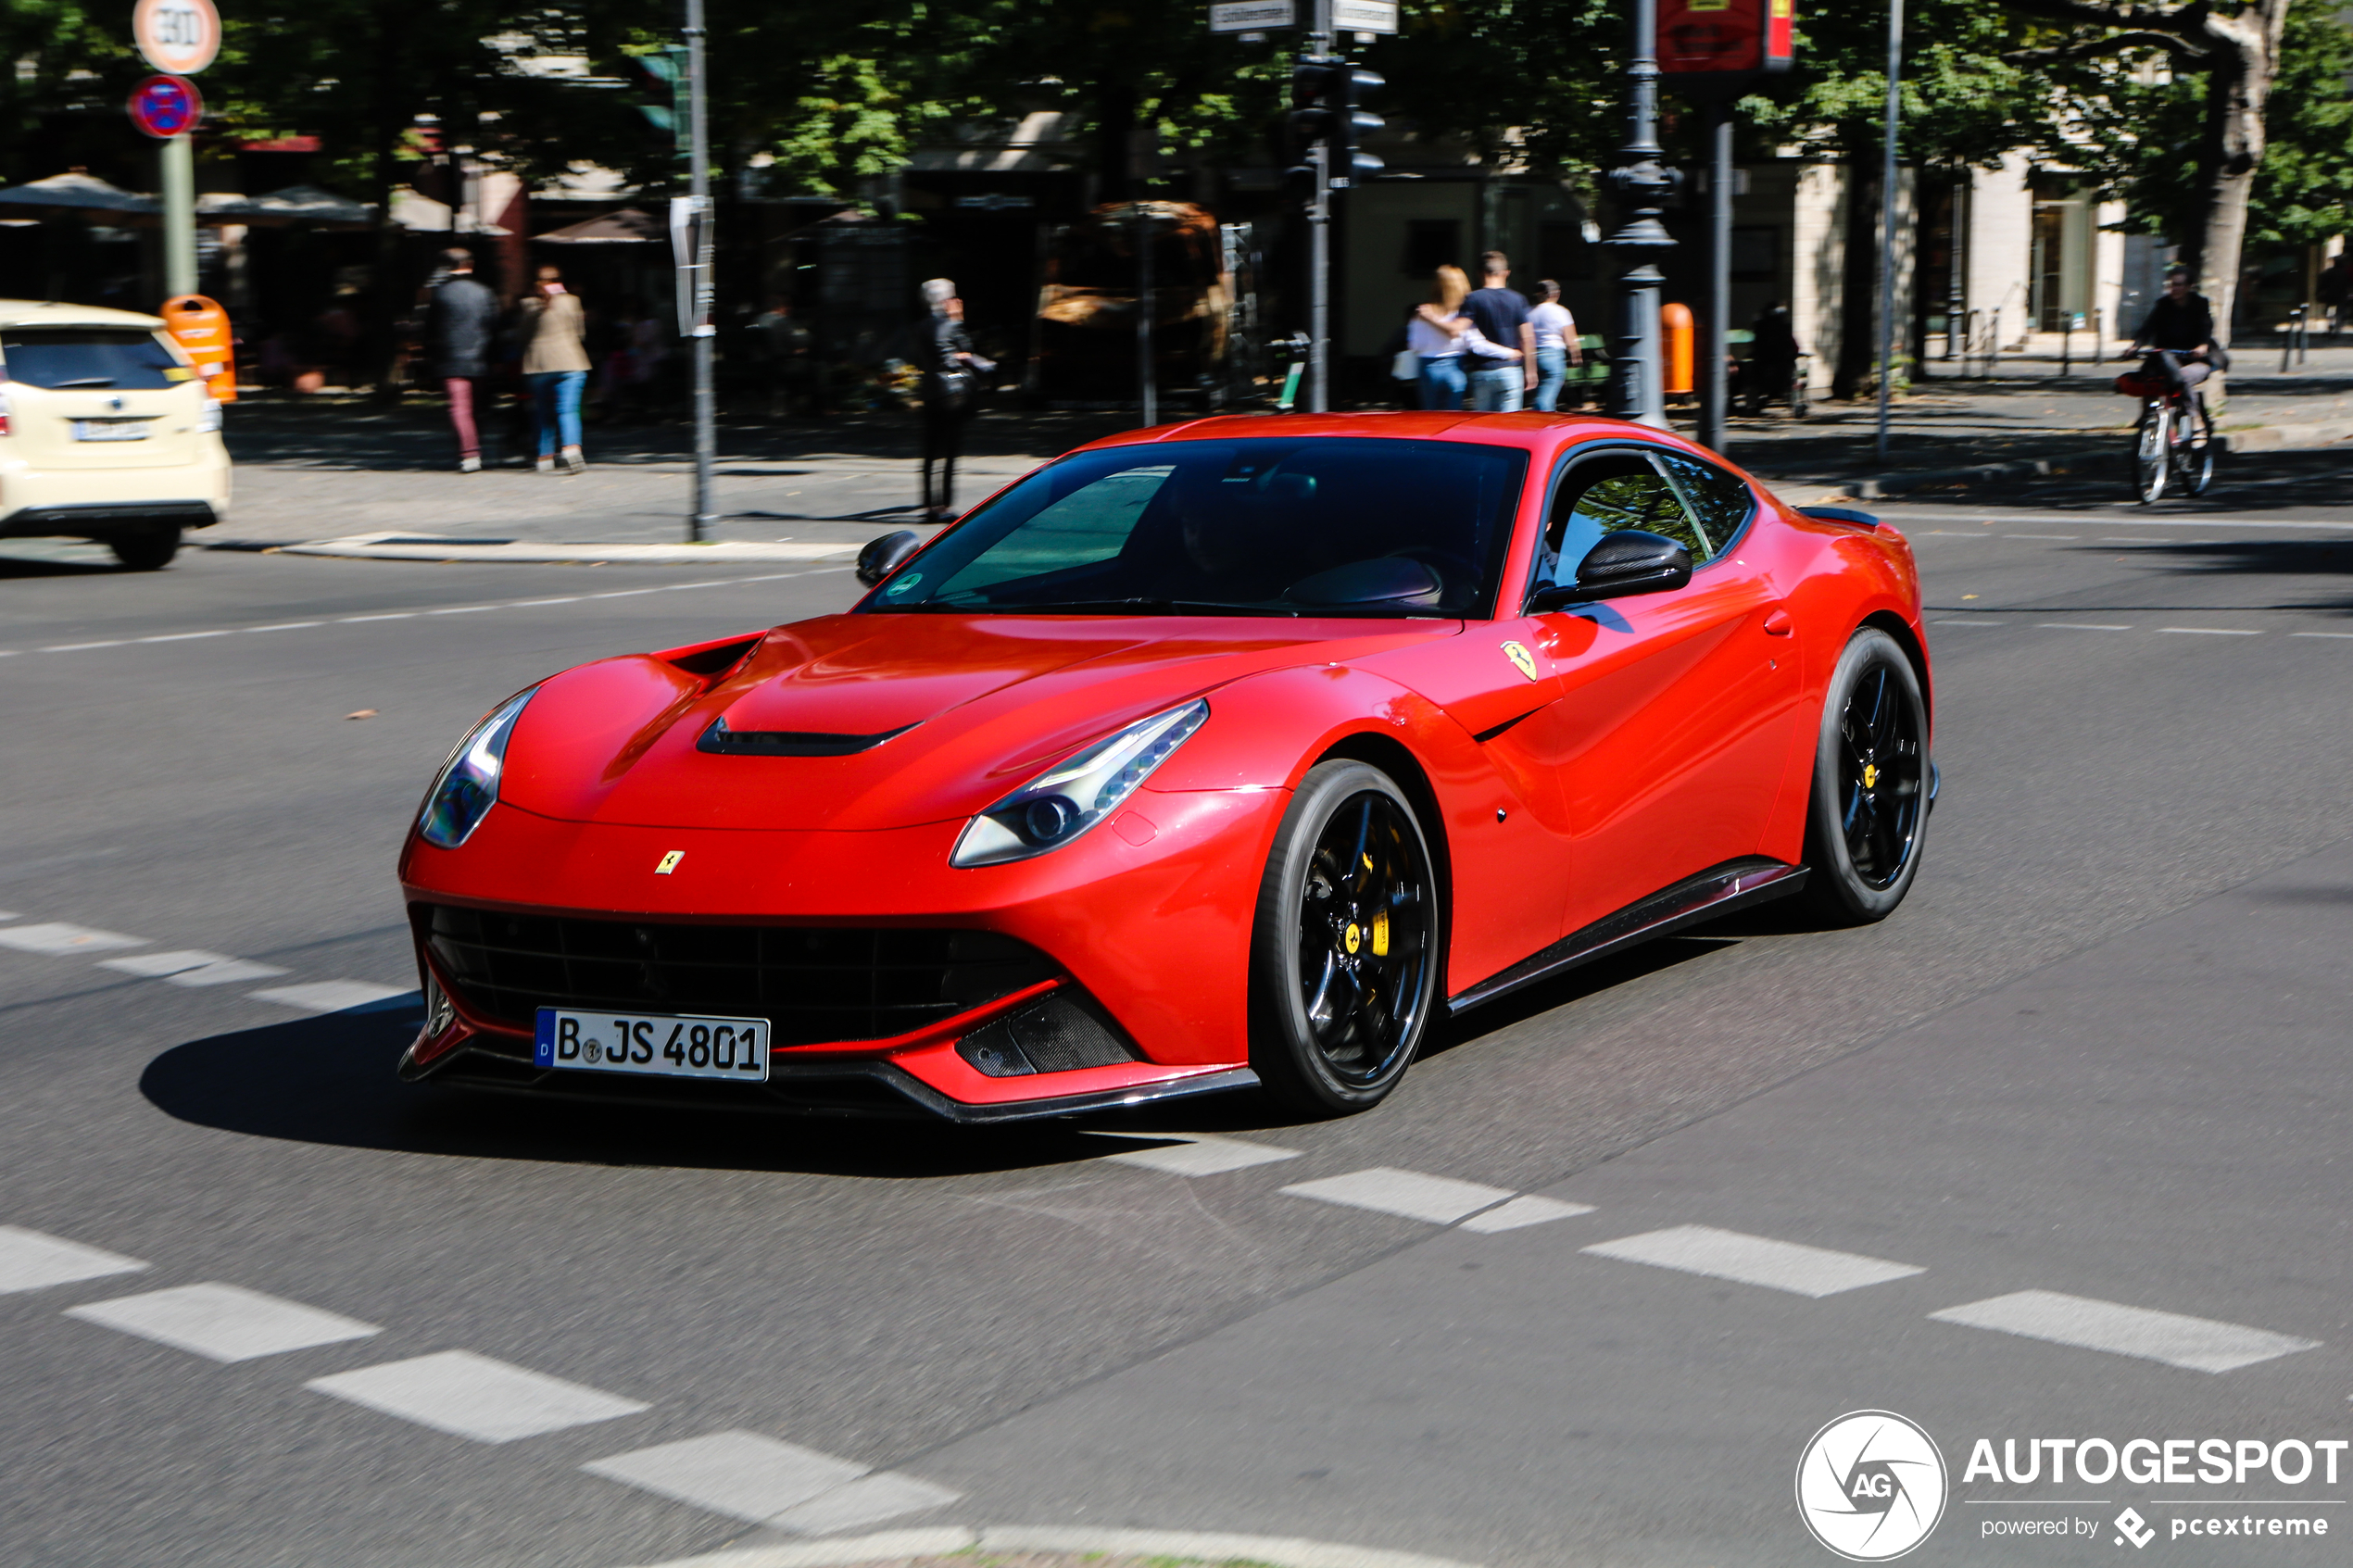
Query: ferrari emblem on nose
(1522, 659)
(669, 862)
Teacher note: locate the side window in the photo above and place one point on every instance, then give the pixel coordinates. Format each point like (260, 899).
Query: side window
(1603, 495)
(1719, 502)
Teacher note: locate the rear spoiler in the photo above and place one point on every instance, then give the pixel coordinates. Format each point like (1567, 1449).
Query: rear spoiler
(1848, 515)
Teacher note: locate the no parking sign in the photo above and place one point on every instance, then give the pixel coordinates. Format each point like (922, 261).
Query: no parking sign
(165, 107)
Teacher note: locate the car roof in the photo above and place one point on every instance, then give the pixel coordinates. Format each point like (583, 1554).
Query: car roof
(55, 313)
(1516, 430)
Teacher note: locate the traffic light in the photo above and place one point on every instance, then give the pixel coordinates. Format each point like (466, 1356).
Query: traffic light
(1353, 122)
(665, 92)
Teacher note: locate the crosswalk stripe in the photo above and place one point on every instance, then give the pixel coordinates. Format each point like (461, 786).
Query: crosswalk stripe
(471, 1396)
(2198, 1343)
(331, 996)
(1753, 1259)
(1523, 1211)
(742, 1475)
(1438, 1200)
(1202, 1156)
(222, 1322)
(30, 1260)
(57, 939)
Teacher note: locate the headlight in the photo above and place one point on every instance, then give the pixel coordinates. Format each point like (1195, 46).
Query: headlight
(466, 786)
(1073, 796)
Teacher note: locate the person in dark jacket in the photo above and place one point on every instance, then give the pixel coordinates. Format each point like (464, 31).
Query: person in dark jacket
(943, 352)
(460, 327)
(2182, 324)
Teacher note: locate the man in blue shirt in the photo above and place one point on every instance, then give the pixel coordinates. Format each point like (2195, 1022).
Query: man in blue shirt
(1501, 316)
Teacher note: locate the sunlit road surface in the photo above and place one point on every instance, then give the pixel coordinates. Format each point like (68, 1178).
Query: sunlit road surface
(2056, 1152)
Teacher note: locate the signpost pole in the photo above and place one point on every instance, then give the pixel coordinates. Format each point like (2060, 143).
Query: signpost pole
(1887, 219)
(1715, 390)
(1319, 228)
(177, 157)
(1144, 367)
(705, 518)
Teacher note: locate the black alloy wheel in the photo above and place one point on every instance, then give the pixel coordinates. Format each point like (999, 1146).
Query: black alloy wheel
(1869, 805)
(1344, 956)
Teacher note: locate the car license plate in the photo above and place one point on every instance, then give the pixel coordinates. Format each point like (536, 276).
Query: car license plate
(656, 1044)
(110, 430)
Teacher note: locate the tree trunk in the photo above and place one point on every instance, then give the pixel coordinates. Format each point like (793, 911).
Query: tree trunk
(1115, 111)
(1858, 281)
(2246, 53)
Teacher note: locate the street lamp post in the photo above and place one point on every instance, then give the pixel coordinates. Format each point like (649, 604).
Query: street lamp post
(1636, 387)
(704, 518)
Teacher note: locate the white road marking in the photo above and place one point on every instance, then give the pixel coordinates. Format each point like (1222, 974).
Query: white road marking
(223, 1322)
(30, 1260)
(2199, 1344)
(60, 940)
(151, 966)
(742, 1475)
(2130, 539)
(867, 1501)
(1899, 514)
(1438, 1200)
(8, 914)
(1971, 623)
(2070, 536)
(226, 972)
(1522, 1211)
(1204, 1156)
(413, 614)
(471, 1396)
(1755, 1259)
(2321, 633)
(2079, 626)
(2209, 631)
(329, 995)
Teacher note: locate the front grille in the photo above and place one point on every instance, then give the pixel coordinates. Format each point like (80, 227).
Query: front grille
(814, 985)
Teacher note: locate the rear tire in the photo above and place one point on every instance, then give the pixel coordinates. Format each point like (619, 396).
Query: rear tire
(1868, 811)
(2198, 450)
(149, 549)
(1345, 951)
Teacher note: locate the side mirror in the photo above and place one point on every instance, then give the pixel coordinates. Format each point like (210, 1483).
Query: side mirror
(883, 556)
(1624, 563)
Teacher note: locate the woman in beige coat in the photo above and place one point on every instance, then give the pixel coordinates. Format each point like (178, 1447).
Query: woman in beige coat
(554, 365)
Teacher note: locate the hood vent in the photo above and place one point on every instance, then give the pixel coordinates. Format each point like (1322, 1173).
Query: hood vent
(723, 742)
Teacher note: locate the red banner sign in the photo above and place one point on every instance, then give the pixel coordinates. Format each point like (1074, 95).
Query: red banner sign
(1714, 37)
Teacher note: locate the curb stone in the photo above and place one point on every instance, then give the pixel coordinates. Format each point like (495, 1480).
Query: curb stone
(1198, 1545)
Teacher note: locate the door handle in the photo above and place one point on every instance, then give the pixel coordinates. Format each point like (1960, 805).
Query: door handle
(1778, 623)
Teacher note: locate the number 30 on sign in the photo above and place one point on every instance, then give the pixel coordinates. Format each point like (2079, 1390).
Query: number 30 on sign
(178, 37)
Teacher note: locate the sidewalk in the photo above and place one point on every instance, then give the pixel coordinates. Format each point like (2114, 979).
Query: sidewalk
(343, 477)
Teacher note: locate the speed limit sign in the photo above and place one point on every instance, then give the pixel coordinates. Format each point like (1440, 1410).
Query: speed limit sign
(178, 37)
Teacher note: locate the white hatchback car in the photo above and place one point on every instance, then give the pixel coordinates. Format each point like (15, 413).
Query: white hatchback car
(105, 433)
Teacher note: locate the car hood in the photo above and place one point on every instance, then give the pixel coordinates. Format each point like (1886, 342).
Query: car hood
(930, 718)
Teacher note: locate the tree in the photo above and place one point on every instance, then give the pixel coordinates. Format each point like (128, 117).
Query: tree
(2237, 50)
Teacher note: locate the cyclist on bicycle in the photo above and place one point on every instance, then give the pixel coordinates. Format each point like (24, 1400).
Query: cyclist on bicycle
(2179, 335)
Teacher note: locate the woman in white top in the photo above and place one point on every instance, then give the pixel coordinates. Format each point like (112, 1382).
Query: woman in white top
(1436, 334)
(1556, 345)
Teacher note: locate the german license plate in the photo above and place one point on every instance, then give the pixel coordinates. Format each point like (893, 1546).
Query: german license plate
(655, 1045)
(110, 430)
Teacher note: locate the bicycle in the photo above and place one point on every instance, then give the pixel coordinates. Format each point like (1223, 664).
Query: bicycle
(2173, 439)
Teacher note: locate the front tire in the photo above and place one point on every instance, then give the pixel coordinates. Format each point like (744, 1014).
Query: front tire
(2196, 449)
(149, 549)
(1344, 953)
(1869, 805)
(2152, 453)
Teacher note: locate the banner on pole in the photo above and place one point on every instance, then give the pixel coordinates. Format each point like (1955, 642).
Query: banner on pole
(1730, 42)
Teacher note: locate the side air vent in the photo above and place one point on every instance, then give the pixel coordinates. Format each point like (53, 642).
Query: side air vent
(717, 659)
(722, 741)
(1060, 1034)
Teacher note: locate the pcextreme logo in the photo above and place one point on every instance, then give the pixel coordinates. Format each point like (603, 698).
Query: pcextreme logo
(1870, 1486)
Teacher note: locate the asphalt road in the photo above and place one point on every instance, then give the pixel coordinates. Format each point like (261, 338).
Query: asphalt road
(2099, 1055)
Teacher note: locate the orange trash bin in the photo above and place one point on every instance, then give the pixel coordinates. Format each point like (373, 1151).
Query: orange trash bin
(1675, 324)
(201, 329)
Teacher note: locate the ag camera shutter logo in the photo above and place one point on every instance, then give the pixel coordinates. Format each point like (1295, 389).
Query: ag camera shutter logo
(1870, 1486)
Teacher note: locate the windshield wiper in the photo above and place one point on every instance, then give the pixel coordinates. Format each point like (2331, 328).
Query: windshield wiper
(83, 380)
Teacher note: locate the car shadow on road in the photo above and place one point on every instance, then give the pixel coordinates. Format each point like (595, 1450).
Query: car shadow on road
(330, 1081)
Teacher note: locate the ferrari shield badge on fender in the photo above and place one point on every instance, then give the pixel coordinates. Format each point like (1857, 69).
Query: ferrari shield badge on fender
(669, 862)
(1522, 660)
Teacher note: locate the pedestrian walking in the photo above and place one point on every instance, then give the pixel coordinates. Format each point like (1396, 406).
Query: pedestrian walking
(1498, 386)
(554, 365)
(1435, 334)
(951, 372)
(1556, 345)
(2334, 290)
(460, 323)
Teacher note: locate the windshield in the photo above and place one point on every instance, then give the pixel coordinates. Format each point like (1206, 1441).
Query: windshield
(1315, 525)
(123, 358)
